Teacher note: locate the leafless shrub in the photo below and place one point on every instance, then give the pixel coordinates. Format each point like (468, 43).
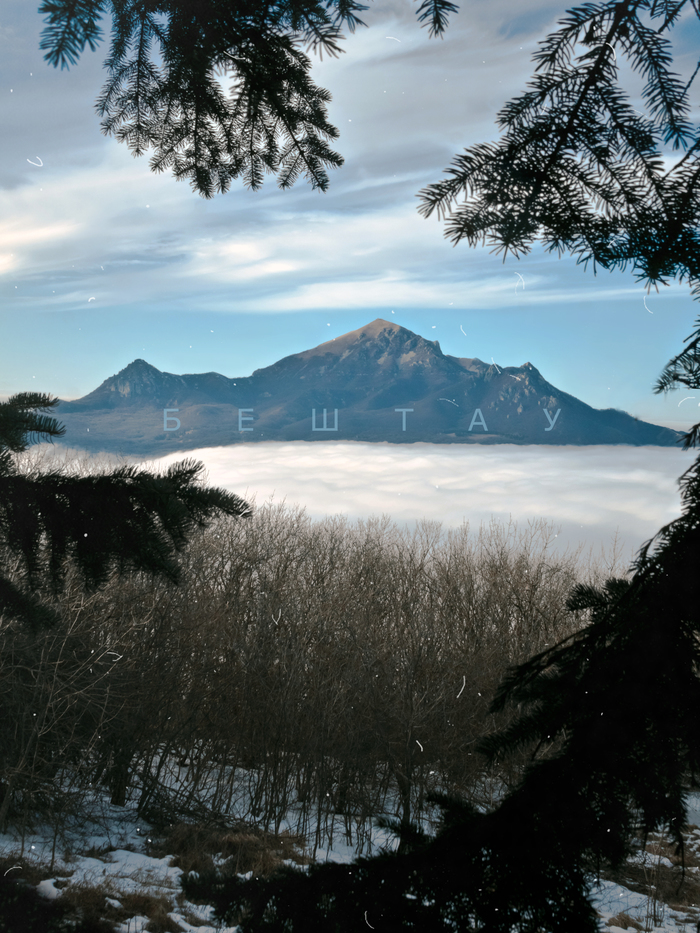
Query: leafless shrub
(328, 671)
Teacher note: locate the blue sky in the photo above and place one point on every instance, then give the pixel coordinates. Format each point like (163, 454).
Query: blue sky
(103, 262)
(234, 284)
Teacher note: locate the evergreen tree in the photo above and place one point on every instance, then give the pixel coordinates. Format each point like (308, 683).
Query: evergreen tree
(179, 108)
(620, 699)
(128, 518)
(581, 170)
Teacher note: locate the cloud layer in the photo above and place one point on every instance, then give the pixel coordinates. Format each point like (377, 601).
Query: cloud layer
(592, 493)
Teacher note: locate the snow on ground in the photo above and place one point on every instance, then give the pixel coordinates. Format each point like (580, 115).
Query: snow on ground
(120, 871)
(128, 869)
(116, 839)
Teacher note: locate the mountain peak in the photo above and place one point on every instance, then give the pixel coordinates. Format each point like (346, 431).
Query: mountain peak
(381, 382)
(379, 333)
(370, 331)
(379, 323)
(140, 366)
(378, 349)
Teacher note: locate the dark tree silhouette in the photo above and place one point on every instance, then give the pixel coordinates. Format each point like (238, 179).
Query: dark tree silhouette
(178, 107)
(579, 169)
(128, 518)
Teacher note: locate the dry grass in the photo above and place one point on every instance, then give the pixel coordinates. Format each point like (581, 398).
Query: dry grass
(157, 909)
(624, 921)
(192, 918)
(193, 847)
(664, 886)
(245, 848)
(88, 903)
(98, 852)
(23, 908)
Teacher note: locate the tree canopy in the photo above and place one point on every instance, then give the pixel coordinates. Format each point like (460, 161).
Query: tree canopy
(579, 169)
(178, 107)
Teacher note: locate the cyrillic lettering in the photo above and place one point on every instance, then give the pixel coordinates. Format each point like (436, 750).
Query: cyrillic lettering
(551, 421)
(404, 410)
(483, 423)
(242, 418)
(324, 428)
(166, 419)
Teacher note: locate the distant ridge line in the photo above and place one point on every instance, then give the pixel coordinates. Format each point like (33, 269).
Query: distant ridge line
(369, 374)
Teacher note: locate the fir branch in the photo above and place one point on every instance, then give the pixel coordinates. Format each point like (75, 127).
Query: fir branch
(71, 24)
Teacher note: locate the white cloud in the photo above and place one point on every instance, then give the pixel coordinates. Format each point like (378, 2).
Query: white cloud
(237, 262)
(27, 232)
(591, 492)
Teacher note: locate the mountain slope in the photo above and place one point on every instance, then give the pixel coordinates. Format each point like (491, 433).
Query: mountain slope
(367, 374)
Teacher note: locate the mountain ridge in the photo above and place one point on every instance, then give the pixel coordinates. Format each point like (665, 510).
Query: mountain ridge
(380, 382)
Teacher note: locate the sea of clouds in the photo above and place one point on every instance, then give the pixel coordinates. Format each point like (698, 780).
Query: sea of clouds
(597, 505)
(586, 495)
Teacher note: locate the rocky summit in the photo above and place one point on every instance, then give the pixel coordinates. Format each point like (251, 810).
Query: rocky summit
(381, 382)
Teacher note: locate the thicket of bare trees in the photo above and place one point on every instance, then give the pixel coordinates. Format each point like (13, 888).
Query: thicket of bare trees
(315, 669)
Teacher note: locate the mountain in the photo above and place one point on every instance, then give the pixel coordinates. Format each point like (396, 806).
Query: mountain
(367, 374)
